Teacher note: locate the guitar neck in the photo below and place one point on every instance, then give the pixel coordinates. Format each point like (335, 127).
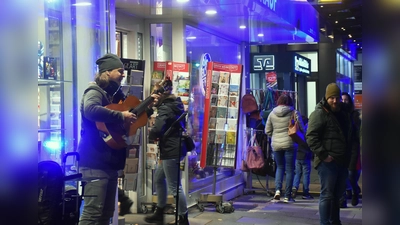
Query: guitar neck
(142, 106)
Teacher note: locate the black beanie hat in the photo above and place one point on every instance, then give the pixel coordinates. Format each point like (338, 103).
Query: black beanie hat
(109, 62)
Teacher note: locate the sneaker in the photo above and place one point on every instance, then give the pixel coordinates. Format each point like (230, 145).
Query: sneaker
(307, 197)
(277, 195)
(287, 200)
(343, 203)
(294, 192)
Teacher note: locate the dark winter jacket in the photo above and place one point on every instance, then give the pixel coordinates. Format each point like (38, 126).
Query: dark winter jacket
(304, 152)
(167, 112)
(326, 135)
(94, 152)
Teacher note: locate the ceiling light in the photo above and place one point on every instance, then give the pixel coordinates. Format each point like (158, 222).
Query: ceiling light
(182, 0)
(260, 35)
(330, 36)
(358, 44)
(354, 40)
(191, 38)
(82, 4)
(323, 29)
(242, 27)
(211, 12)
(336, 21)
(322, 6)
(350, 36)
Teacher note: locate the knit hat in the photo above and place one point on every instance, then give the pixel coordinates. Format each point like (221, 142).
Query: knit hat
(109, 62)
(332, 90)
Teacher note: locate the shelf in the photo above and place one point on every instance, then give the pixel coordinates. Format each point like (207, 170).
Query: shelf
(42, 82)
(49, 130)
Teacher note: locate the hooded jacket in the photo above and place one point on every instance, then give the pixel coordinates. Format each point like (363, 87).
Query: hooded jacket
(277, 127)
(168, 111)
(94, 152)
(325, 135)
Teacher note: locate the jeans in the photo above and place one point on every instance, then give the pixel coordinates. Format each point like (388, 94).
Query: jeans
(303, 167)
(167, 174)
(333, 184)
(99, 203)
(284, 160)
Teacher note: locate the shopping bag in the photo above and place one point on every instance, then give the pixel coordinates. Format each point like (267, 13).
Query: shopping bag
(255, 155)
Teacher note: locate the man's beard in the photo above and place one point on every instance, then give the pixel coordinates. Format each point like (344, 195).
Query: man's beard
(335, 108)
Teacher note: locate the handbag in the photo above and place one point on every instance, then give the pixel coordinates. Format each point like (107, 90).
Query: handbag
(269, 168)
(294, 130)
(255, 155)
(189, 143)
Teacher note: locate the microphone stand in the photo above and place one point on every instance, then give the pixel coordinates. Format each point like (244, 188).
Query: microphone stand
(181, 129)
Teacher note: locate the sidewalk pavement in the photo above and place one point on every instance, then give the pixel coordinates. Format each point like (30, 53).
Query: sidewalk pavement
(258, 208)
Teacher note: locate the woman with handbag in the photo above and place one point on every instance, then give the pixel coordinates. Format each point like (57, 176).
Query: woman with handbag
(284, 148)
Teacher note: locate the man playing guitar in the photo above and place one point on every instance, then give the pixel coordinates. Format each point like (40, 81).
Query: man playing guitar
(97, 159)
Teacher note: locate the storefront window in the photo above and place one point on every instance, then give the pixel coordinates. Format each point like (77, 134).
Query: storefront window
(66, 30)
(198, 43)
(344, 72)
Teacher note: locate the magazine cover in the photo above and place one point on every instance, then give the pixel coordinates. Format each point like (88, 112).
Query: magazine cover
(232, 113)
(136, 77)
(223, 101)
(235, 78)
(151, 160)
(224, 77)
(220, 124)
(222, 112)
(233, 90)
(231, 138)
(213, 112)
(213, 123)
(223, 89)
(220, 136)
(214, 100)
(215, 77)
(133, 151)
(214, 88)
(211, 136)
(233, 102)
(50, 68)
(232, 124)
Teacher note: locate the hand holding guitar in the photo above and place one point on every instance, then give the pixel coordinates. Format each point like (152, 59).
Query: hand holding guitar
(129, 117)
(155, 100)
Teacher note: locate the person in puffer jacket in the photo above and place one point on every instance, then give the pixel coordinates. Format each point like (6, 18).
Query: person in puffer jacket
(283, 147)
(331, 135)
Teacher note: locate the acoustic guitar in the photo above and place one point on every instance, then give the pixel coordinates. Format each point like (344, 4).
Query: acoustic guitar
(117, 135)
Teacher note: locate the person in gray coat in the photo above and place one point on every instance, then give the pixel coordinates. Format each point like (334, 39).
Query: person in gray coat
(283, 147)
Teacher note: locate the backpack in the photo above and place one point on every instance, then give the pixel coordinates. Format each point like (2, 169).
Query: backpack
(50, 185)
(249, 103)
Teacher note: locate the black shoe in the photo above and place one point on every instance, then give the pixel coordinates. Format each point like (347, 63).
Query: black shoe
(355, 200)
(182, 220)
(157, 217)
(343, 203)
(125, 207)
(294, 192)
(349, 194)
(307, 196)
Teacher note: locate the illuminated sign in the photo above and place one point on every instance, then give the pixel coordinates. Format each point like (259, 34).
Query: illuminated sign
(205, 58)
(270, 3)
(302, 65)
(263, 63)
(287, 62)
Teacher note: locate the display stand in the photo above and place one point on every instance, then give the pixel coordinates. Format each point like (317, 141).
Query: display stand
(219, 142)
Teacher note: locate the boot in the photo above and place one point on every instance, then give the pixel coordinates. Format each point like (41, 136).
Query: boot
(354, 199)
(182, 220)
(125, 207)
(157, 217)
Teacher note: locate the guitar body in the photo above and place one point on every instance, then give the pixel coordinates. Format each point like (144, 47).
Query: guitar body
(116, 135)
